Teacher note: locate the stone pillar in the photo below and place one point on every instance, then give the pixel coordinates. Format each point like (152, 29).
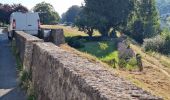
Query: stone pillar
(57, 36)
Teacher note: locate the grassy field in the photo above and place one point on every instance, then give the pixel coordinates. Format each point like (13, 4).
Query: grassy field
(105, 51)
(68, 30)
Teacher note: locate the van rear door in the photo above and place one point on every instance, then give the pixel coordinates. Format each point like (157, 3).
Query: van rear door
(20, 21)
(32, 21)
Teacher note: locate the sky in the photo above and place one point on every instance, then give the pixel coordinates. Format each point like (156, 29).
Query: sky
(60, 6)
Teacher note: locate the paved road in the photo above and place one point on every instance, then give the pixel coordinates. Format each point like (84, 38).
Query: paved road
(9, 89)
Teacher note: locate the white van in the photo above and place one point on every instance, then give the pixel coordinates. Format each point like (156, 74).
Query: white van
(27, 22)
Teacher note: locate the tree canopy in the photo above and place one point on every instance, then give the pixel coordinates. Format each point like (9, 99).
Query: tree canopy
(6, 10)
(143, 20)
(47, 13)
(108, 13)
(71, 14)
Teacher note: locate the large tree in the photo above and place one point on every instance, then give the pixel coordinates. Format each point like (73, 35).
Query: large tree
(144, 20)
(108, 13)
(85, 22)
(47, 13)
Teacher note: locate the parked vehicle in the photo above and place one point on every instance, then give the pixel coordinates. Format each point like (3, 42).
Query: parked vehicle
(27, 22)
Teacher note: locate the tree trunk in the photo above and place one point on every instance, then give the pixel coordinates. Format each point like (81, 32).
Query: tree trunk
(113, 34)
(90, 32)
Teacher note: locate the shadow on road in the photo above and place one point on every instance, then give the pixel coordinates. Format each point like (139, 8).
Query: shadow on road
(9, 89)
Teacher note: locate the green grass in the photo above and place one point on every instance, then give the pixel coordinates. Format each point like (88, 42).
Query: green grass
(105, 51)
(18, 61)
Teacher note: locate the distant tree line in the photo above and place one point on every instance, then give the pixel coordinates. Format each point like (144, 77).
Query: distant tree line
(46, 11)
(70, 15)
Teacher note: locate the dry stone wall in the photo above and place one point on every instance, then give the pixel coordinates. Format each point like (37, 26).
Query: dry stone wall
(60, 75)
(24, 43)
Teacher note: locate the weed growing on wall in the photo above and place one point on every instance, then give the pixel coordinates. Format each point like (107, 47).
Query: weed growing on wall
(25, 77)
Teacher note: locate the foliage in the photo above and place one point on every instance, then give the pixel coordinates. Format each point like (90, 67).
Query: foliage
(47, 13)
(154, 44)
(144, 20)
(122, 63)
(132, 62)
(104, 14)
(71, 14)
(75, 42)
(103, 46)
(160, 43)
(6, 10)
(104, 50)
(25, 77)
(85, 22)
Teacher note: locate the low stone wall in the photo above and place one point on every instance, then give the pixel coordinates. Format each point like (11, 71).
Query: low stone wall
(24, 43)
(61, 75)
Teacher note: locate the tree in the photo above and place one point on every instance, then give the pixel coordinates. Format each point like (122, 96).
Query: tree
(47, 13)
(108, 13)
(6, 10)
(85, 22)
(71, 14)
(19, 8)
(143, 20)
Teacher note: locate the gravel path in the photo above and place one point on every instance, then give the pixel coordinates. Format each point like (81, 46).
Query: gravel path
(9, 89)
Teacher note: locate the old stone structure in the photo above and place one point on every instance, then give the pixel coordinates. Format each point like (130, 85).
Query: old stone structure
(57, 36)
(60, 75)
(24, 43)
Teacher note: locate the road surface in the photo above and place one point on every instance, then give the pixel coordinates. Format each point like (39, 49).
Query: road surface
(9, 89)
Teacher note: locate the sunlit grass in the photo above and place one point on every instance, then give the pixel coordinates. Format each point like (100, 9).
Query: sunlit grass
(105, 51)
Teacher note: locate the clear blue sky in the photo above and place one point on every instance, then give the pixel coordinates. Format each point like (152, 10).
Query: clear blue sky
(59, 5)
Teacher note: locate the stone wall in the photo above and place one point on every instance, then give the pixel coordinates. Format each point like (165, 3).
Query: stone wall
(24, 43)
(60, 75)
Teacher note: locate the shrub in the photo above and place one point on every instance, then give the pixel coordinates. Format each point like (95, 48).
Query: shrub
(76, 43)
(154, 44)
(166, 49)
(103, 46)
(24, 78)
(122, 63)
(160, 43)
(132, 62)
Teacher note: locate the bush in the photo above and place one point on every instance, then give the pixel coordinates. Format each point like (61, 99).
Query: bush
(122, 63)
(103, 46)
(76, 43)
(160, 43)
(132, 62)
(154, 44)
(166, 49)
